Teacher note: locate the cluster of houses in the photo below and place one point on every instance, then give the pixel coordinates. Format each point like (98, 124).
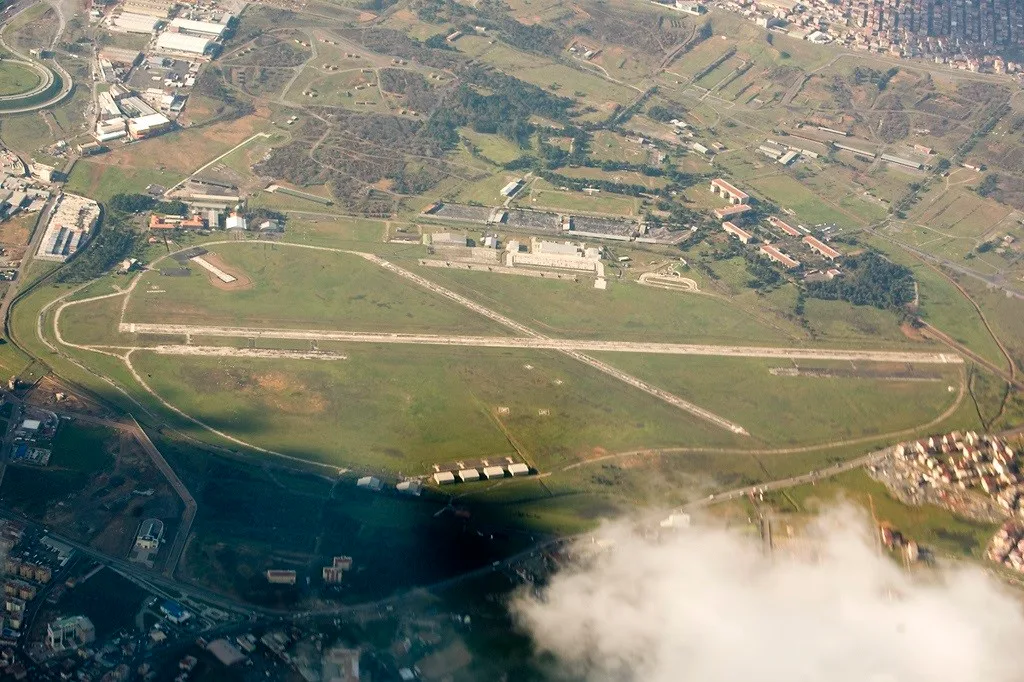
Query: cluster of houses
(967, 460)
(949, 32)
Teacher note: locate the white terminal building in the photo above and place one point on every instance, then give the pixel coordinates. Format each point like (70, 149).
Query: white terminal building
(71, 223)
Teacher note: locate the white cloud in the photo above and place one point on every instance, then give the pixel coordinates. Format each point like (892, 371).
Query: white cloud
(706, 605)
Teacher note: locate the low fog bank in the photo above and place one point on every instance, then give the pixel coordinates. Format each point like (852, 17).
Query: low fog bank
(706, 605)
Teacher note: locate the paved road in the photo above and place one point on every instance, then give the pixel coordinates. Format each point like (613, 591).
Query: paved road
(547, 343)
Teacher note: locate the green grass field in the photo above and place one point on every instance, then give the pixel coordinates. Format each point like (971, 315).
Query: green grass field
(100, 182)
(299, 288)
(625, 311)
(17, 78)
(402, 409)
(782, 411)
(931, 527)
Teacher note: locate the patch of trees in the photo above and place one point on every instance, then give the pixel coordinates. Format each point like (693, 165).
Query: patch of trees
(116, 240)
(274, 50)
(419, 94)
(579, 184)
(988, 185)
(438, 41)
(211, 84)
(138, 203)
(663, 114)
(506, 111)
(623, 114)
(763, 276)
(895, 123)
(554, 157)
(863, 74)
(868, 279)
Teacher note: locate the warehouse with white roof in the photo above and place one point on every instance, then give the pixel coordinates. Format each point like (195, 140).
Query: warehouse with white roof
(179, 42)
(135, 23)
(200, 28)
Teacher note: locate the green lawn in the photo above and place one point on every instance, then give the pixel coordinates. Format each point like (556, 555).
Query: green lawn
(782, 411)
(931, 527)
(625, 311)
(402, 409)
(16, 78)
(300, 288)
(100, 182)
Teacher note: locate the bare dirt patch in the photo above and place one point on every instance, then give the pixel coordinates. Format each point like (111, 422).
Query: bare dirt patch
(176, 152)
(242, 280)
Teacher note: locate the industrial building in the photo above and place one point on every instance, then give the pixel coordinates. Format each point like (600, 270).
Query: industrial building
(181, 43)
(135, 23)
(235, 222)
(448, 239)
(900, 161)
(737, 232)
(370, 483)
(155, 8)
(788, 157)
(727, 191)
(494, 472)
(467, 475)
(199, 28)
(148, 126)
(821, 247)
(779, 257)
(444, 477)
(511, 188)
(119, 56)
(518, 469)
(785, 227)
(72, 220)
(174, 612)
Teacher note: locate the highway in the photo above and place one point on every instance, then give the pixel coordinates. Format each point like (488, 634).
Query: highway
(544, 343)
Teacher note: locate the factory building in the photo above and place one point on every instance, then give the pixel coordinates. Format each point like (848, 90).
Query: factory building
(728, 191)
(179, 42)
